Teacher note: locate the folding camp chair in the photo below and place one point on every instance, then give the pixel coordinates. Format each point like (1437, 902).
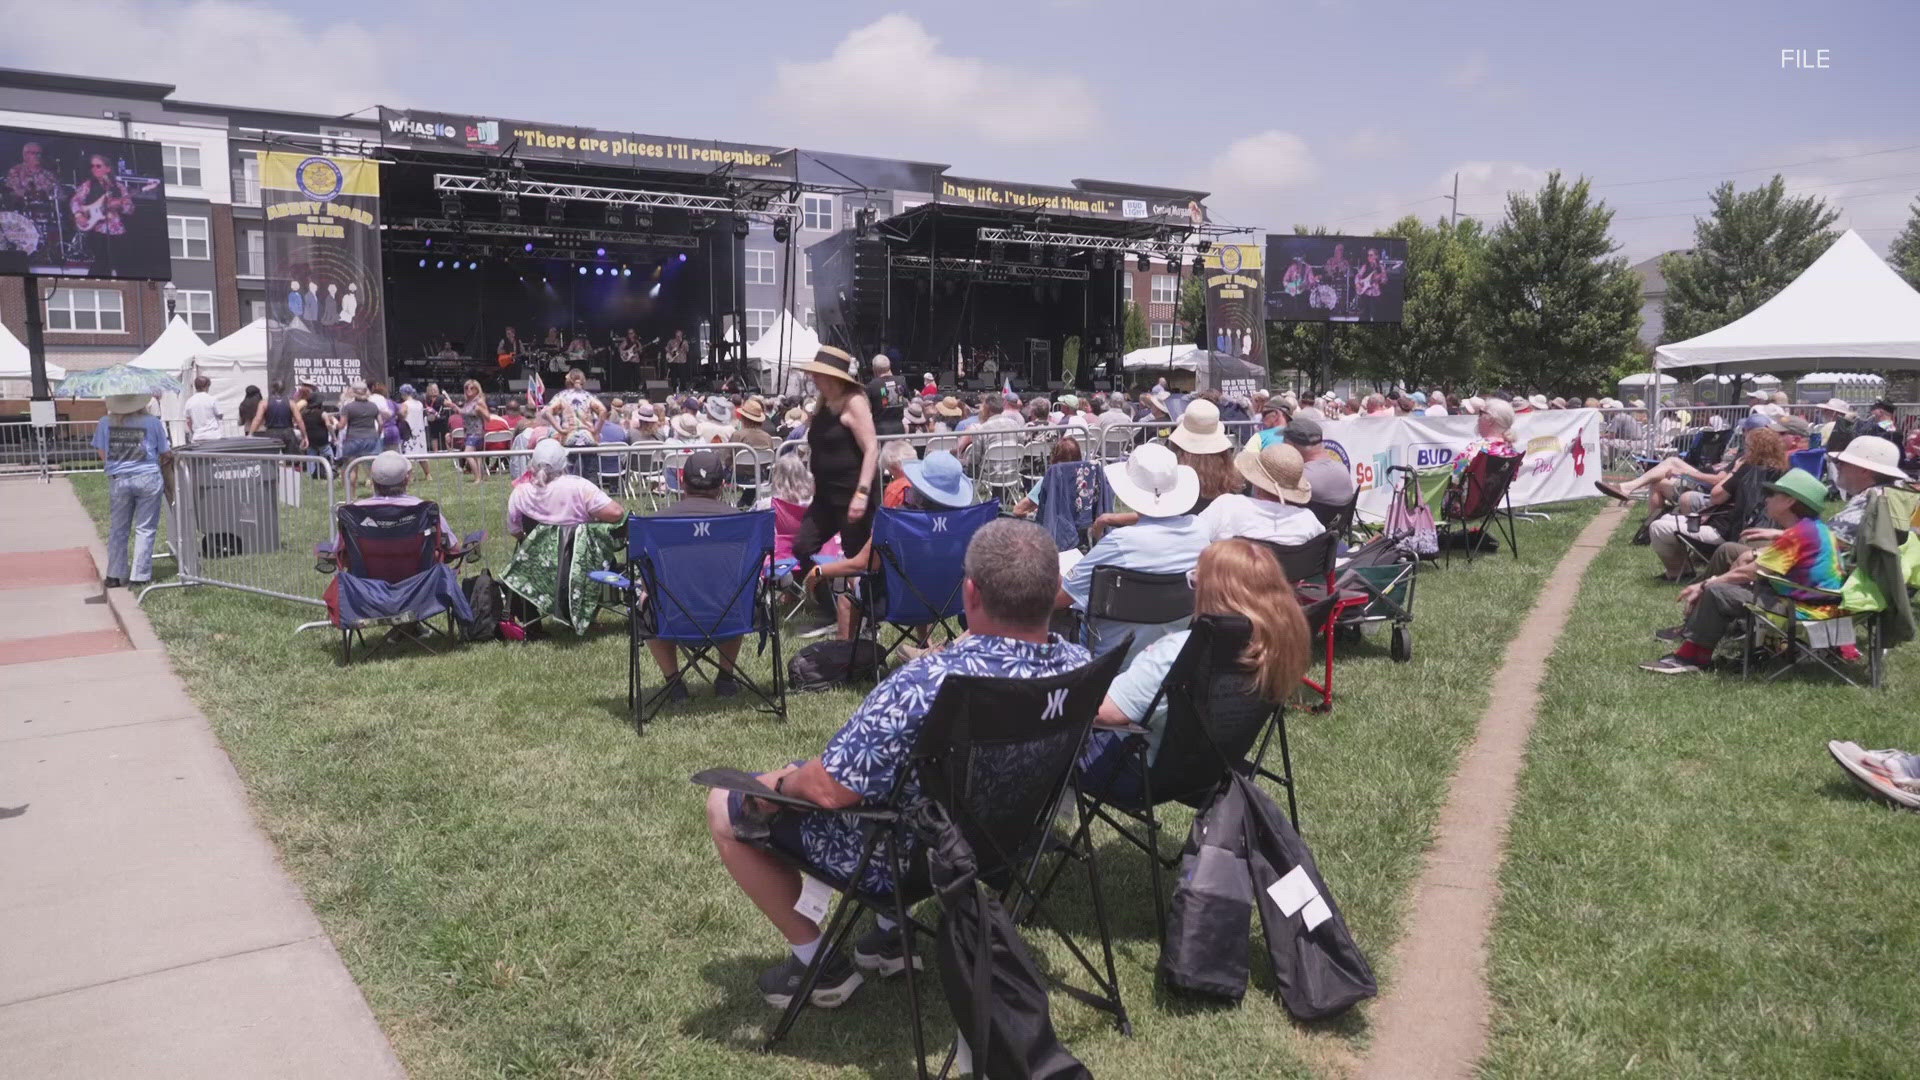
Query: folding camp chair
(1749, 499)
(696, 582)
(1480, 496)
(995, 754)
(919, 564)
(1308, 565)
(1215, 718)
(390, 571)
(1773, 627)
(1117, 594)
(1337, 518)
(1073, 494)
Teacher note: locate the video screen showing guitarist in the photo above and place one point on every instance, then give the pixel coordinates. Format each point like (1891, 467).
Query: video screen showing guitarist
(101, 206)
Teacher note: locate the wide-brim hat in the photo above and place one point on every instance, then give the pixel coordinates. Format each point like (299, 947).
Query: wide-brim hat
(1199, 431)
(1277, 469)
(1874, 454)
(1153, 483)
(949, 407)
(940, 478)
(1803, 488)
(1836, 405)
(1158, 404)
(834, 362)
(719, 409)
(685, 426)
(122, 404)
(752, 413)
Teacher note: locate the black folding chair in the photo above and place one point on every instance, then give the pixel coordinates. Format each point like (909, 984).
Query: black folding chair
(1117, 594)
(1479, 498)
(1215, 718)
(1749, 508)
(696, 582)
(1308, 566)
(1337, 518)
(996, 755)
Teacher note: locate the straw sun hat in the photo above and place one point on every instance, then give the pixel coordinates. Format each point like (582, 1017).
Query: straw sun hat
(1277, 469)
(832, 362)
(1199, 431)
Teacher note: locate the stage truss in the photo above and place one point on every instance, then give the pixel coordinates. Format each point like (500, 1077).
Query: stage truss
(988, 271)
(759, 206)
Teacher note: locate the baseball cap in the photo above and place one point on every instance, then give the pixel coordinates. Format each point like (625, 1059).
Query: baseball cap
(702, 470)
(1303, 431)
(390, 467)
(1792, 425)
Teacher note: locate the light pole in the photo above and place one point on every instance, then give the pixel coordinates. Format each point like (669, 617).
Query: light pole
(171, 295)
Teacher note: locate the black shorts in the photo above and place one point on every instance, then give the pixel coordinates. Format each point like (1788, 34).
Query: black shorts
(825, 517)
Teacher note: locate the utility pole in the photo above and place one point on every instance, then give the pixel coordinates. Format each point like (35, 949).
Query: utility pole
(1455, 199)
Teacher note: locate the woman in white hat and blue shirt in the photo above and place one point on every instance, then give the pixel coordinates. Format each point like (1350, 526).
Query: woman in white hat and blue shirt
(133, 444)
(1167, 538)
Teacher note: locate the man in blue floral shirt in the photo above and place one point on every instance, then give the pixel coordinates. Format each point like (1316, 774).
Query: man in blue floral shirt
(1012, 578)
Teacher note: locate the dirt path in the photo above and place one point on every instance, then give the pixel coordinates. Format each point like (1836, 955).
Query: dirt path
(1432, 1021)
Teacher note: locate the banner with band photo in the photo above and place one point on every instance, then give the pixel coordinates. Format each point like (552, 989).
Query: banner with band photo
(325, 325)
(1235, 281)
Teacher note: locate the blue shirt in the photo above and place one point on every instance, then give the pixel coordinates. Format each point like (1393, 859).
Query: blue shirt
(969, 422)
(866, 754)
(1154, 546)
(1135, 687)
(134, 445)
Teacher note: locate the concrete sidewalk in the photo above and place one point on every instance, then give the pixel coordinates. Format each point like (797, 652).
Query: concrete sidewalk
(150, 930)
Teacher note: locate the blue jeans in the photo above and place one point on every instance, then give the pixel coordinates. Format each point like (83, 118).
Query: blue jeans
(135, 503)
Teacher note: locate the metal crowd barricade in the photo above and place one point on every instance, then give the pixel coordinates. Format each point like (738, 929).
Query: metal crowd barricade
(30, 451)
(249, 522)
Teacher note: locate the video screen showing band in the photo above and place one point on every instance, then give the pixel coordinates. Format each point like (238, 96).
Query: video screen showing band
(82, 206)
(1360, 279)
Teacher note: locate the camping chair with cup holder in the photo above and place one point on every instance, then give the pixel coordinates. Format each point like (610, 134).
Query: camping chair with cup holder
(1778, 640)
(1073, 494)
(1748, 510)
(919, 564)
(1338, 518)
(995, 755)
(391, 571)
(1478, 499)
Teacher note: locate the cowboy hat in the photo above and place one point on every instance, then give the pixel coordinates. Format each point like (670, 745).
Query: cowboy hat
(833, 362)
(1277, 469)
(1153, 483)
(1836, 405)
(752, 412)
(1199, 431)
(719, 409)
(1874, 454)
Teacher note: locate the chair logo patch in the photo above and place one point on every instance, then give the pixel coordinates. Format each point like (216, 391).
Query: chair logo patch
(939, 524)
(1056, 704)
(702, 528)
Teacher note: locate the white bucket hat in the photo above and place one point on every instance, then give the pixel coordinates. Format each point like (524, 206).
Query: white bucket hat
(1153, 483)
(1874, 454)
(1199, 431)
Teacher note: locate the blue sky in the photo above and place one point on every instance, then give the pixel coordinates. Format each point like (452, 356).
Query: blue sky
(1340, 112)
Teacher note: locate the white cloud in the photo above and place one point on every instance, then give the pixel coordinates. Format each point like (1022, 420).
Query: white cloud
(1371, 143)
(1267, 161)
(218, 51)
(891, 72)
(1471, 72)
(1484, 186)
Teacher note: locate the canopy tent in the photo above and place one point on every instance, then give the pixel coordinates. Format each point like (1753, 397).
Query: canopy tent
(1645, 378)
(14, 360)
(770, 359)
(233, 363)
(172, 351)
(1211, 370)
(1848, 308)
(1183, 357)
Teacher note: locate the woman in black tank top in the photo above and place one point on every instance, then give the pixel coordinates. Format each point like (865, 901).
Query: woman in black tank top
(274, 419)
(843, 452)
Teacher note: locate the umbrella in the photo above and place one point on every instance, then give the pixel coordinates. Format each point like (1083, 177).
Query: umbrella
(118, 379)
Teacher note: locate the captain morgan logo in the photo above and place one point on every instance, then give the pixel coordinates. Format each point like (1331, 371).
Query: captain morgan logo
(319, 179)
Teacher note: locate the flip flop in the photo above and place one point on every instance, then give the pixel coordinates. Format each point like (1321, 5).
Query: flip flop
(1869, 778)
(1612, 491)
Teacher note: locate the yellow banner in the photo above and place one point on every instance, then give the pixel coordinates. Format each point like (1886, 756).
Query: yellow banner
(319, 177)
(1235, 257)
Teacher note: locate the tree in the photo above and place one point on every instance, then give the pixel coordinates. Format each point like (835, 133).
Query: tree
(1191, 315)
(1748, 248)
(1557, 307)
(1904, 254)
(1438, 343)
(1136, 327)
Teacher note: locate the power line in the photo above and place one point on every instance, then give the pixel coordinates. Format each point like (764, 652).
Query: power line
(1763, 168)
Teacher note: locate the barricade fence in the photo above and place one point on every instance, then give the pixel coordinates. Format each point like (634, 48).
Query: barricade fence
(31, 451)
(249, 522)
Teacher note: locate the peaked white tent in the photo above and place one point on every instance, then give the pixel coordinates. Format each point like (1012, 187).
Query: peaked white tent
(233, 363)
(1849, 308)
(770, 359)
(172, 351)
(1178, 357)
(14, 360)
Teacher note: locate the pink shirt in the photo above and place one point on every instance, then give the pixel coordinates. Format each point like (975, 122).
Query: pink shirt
(566, 500)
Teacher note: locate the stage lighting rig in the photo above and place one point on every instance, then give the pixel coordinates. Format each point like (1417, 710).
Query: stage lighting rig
(741, 226)
(1142, 262)
(1199, 265)
(556, 212)
(616, 216)
(782, 231)
(451, 206)
(509, 207)
(1203, 245)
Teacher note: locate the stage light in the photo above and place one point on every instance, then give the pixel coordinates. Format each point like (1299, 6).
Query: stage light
(429, 242)
(599, 253)
(683, 256)
(441, 265)
(556, 212)
(626, 271)
(642, 220)
(528, 248)
(451, 206)
(475, 265)
(781, 231)
(583, 271)
(1199, 265)
(598, 270)
(456, 264)
(1140, 260)
(1203, 246)
(741, 227)
(616, 216)
(423, 264)
(509, 207)
(655, 291)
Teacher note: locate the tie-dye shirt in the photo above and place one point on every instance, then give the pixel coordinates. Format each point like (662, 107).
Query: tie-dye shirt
(1806, 555)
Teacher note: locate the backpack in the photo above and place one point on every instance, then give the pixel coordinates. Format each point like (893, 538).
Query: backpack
(824, 665)
(484, 596)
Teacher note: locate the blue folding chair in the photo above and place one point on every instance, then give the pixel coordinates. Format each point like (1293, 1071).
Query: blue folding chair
(696, 582)
(1812, 462)
(920, 558)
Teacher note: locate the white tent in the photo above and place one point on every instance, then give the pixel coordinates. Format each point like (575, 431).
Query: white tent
(234, 363)
(1645, 377)
(770, 359)
(1848, 308)
(172, 351)
(1178, 357)
(14, 360)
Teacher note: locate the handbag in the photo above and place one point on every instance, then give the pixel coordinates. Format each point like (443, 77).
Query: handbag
(1410, 523)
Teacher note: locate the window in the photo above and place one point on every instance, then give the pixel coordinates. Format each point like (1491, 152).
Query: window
(256, 309)
(253, 260)
(758, 319)
(810, 324)
(806, 271)
(1166, 289)
(180, 166)
(1160, 333)
(246, 179)
(759, 267)
(187, 237)
(85, 310)
(816, 212)
(195, 306)
(1126, 287)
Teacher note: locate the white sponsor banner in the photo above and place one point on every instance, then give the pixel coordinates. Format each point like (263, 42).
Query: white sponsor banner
(1561, 448)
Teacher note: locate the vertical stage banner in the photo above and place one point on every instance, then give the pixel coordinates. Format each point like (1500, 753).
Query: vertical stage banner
(325, 323)
(1237, 302)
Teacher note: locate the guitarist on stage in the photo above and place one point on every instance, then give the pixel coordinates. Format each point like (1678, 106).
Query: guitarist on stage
(507, 355)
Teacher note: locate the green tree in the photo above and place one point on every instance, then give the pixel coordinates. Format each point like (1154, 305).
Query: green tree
(1136, 327)
(1748, 248)
(1192, 312)
(1557, 307)
(1438, 343)
(1904, 254)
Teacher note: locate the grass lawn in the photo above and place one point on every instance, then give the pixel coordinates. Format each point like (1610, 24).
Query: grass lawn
(522, 887)
(1693, 888)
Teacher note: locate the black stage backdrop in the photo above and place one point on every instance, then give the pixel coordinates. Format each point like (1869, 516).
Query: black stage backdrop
(325, 325)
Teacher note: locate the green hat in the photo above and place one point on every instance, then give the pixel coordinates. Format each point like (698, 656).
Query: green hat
(1806, 490)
